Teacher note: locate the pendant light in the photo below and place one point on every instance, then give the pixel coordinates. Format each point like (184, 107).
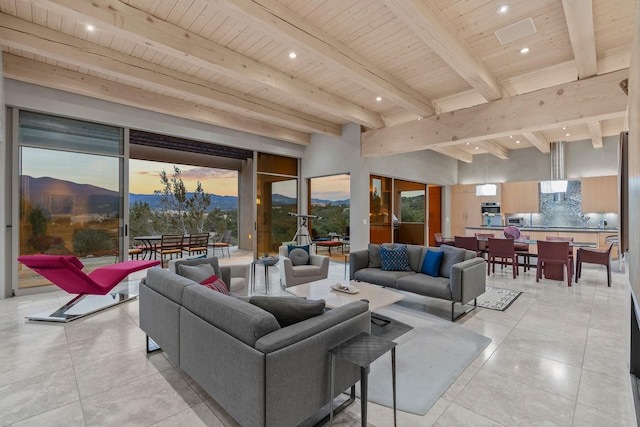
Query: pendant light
(486, 189)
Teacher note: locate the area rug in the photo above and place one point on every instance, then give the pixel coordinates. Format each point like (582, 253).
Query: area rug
(497, 298)
(429, 358)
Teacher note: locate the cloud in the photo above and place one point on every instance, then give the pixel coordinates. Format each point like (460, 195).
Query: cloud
(202, 174)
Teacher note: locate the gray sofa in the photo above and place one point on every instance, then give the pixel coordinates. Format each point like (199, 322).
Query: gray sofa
(462, 275)
(260, 373)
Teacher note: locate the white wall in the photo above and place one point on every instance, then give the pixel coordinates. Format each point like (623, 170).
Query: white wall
(341, 155)
(529, 164)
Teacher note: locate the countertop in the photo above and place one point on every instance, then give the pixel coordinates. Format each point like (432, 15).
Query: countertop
(569, 229)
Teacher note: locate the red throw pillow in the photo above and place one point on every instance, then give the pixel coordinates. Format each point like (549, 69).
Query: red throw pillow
(216, 283)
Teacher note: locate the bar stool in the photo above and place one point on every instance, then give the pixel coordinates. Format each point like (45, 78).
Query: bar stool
(614, 242)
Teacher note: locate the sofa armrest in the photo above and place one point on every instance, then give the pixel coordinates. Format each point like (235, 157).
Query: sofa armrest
(468, 279)
(358, 260)
(340, 318)
(225, 272)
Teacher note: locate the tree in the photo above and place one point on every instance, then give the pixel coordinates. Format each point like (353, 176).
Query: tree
(174, 197)
(197, 205)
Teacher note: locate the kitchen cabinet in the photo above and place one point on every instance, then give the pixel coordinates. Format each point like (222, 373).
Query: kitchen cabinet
(466, 207)
(520, 197)
(599, 194)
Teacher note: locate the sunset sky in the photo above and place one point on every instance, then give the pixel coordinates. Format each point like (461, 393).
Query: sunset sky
(144, 178)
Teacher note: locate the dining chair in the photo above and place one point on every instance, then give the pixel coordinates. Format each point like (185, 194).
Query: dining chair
(521, 248)
(223, 243)
(554, 252)
(483, 247)
(441, 240)
(564, 239)
(197, 243)
(170, 244)
(504, 250)
(467, 242)
(593, 256)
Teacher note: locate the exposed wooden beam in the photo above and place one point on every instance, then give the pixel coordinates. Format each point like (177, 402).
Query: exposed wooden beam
(297, 31)
(492, 147)
(538, 140)
(579, 17)
(70, 81)
(134, 24)
(596, 98)
(40, 40)
(595, 130)
(432, 27)
(455, 153)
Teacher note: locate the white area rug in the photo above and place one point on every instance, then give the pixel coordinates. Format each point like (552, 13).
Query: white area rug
(429, 358)
(497, 298)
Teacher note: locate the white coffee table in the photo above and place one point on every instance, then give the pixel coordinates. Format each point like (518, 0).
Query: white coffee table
(377, 296)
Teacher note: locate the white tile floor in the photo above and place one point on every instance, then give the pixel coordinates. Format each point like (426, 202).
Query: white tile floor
(559, 356)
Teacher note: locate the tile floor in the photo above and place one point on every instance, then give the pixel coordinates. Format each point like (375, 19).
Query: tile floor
(559, 356)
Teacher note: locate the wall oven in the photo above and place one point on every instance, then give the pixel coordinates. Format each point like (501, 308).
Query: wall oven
(490, 207)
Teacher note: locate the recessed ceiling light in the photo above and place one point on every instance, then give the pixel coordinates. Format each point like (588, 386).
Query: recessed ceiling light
(503, 9)
(510, 136)
(518, 141)
(378, 98)
(564, 128)
(467, 143)
(90, 27)
(292, 55)
(567, 134)
(477, 148)
(524, 50)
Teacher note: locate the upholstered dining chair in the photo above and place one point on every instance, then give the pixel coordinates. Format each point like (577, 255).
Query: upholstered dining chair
(441, 240)
(467, 242)
(482, 244)
(521, 248)
(564, 239)
(554, 252)
(593, 256)
(502, 249)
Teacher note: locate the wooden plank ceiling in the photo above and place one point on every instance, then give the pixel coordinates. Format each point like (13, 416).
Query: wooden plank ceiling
(415, 74)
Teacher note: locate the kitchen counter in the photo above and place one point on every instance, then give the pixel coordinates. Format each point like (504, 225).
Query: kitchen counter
(552, 229)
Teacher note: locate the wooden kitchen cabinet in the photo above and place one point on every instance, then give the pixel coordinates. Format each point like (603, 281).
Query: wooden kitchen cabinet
(520, 197)
(599, 194)
(466, 207)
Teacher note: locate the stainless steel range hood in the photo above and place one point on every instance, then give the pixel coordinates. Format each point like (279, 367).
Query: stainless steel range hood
(558, 182)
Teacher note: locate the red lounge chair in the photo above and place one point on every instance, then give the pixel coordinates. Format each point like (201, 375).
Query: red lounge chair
(66, 272)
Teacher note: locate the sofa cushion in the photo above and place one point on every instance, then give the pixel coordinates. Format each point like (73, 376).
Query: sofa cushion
(241, 320)
(431, 263)
(289, 310)
(299, 256)
(307, 270)
(451, 255)
(374, 256)
(422, 284)
(395, 258)
(168, 284)
(415, 257)
(215, 283)
(179, 263)
(197, 273)
(380, 277)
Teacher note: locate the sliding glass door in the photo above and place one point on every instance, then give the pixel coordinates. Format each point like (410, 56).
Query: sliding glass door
(70, 192)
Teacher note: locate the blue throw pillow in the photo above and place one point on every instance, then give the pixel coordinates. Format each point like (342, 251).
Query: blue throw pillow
(395, 258)
(431, 263)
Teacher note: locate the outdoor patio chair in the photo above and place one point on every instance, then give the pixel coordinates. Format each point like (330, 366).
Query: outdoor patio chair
(197, 244)
(223, 243)
(170, 244)
(65, 271)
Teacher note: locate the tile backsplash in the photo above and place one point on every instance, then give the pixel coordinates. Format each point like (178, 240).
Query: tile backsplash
(565, 210)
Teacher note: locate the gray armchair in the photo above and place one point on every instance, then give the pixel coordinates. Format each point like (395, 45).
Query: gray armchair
(292, 275)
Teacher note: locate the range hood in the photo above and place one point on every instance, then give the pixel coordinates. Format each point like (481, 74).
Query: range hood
(558, 182)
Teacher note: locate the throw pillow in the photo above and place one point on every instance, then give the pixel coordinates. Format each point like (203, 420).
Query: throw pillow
(431, 263)
(395, 259)
(374, 256)
(450, 255)
(292, 247)
(217, 284)
(289, 310)
(299, 256)
(197, 273)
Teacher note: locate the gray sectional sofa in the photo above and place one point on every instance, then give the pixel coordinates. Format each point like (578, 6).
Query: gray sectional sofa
(260, 373)
(461, 276)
